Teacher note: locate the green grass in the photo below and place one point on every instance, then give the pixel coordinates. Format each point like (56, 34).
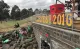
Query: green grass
(12, 23)
(9, 25)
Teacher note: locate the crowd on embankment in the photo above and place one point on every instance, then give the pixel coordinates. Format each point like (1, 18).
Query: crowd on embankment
(22, 38)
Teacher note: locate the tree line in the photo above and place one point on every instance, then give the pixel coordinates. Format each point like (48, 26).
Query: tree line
(16, 13)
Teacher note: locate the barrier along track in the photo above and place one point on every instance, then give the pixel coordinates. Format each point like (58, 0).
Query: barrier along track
(66, 38)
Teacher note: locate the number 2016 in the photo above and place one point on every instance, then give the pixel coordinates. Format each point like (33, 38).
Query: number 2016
(61, 19)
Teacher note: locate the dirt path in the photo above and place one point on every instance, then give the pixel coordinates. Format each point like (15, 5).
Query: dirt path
(2, 30)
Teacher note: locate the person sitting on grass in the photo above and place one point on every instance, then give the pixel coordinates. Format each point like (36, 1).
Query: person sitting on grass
(29, 30)
(17, 25)
(23, 31)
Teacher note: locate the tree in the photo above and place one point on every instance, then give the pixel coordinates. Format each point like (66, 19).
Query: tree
(4, 10)
(24, 13)
(30, 10)
(15, 13)
(38, 11)
(46, 11)
(6, 14)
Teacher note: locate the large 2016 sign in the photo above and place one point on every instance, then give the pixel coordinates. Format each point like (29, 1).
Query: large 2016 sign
(59, 19)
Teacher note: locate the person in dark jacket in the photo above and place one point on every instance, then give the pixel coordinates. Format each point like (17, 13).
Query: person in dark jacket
(17, 25)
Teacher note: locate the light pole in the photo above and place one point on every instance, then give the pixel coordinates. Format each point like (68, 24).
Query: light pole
(73, 9)
(56, 1)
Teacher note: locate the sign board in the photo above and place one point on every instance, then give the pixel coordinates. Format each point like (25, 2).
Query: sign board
(59, 19)
(57, 8)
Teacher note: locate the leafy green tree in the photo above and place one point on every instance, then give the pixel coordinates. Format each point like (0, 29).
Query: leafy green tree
(4, 10)
(37, 11)
(46, 11)
(30, 12)
(15, 13)
(24, 13)
(6, 14)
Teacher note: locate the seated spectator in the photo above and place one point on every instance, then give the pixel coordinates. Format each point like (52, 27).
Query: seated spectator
(23, 31)
(17, 25)
(30, 29)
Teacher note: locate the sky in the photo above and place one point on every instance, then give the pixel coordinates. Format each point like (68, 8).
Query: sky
(41, 4)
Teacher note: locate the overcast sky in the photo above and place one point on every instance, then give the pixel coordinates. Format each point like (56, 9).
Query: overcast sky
(41, 4)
